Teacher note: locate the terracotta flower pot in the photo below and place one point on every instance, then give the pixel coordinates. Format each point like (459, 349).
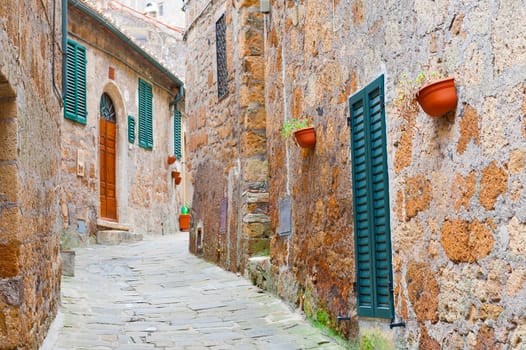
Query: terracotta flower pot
(171, 159)
(438, 97)
(306, 137)
(178, 180)
(175, 174)
(184, 222)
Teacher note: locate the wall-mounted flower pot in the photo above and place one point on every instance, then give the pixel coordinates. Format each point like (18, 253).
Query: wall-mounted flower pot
(438, 98)
(171, 159)
(305, 137)
(178, 180)
(184, 222)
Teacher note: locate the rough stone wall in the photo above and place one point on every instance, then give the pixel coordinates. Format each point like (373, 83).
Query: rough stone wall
(30, 118)
(227, 136)
(148, 200)
(456, 182)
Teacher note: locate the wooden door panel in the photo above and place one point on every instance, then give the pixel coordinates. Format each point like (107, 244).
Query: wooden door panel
(108, 201)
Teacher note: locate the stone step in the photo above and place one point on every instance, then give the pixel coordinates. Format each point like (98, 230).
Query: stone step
(114, 237)
(111, 225)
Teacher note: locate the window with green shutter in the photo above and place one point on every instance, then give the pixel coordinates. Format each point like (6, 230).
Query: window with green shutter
(131, 129)
(372, 232)
(75, 99)
(145, 115)
(177, 135)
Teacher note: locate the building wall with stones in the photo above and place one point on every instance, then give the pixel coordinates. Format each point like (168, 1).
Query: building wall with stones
(30, 119)
(226, 135)
(458, 219)
(456, 183)
(148, 200)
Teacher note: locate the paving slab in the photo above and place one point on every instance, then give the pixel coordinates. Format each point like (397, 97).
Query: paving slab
(153, 294)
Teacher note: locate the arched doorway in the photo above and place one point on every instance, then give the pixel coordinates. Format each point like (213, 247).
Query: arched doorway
(107, 158)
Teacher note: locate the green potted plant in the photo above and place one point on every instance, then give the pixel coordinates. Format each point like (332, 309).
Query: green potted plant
(184, 218)
(302, 130)
(435, 93)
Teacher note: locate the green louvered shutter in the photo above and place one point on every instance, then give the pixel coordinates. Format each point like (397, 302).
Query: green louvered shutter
(145, 115)
(131, 129)
(177, 135)
(75, 99)
(371, 201)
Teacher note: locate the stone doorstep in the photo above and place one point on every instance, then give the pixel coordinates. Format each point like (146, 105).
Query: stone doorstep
(114, 237)
(110, 225)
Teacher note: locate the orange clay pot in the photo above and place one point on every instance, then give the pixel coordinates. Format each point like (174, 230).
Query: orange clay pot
(438, 98)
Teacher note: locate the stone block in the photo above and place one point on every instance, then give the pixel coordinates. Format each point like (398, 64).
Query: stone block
(68, 262)
(469, 129)
(422, 289)
(114, 237)
(255, 170)
(257, 230)
(490, 311)
(8, 139)
(11, 291)
(255, 67)
(7, 108)
(406, 237)
(255, 116)
(248, 3)
(250, 42)
(462, 190)
(517, 161)
(252, 93)
(417, 195)
(494, 183)
(10, 223)
(426, 341)
(466, 241)
(258, 246)
(9, 264)
(516, 280)
(517, 237)
(9, 182)
(253, 143)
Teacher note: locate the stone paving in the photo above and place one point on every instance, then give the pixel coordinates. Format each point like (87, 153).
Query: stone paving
(153, 294)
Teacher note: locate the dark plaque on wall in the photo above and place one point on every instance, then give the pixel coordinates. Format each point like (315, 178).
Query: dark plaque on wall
(224, 214)
(285, 212)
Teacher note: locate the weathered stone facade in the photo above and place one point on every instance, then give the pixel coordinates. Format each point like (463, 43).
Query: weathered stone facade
(148, 200)
(30, 118)
(457, 200)
(227, 134)
(163, 41)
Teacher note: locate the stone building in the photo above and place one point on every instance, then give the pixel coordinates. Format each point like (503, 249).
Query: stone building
(162, 39)
(123, 119)
(226, 134)
(168, 11)
(431, 238)
(30, 119)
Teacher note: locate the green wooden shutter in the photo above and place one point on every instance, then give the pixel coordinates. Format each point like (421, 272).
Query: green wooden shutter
(75, 99)
(177, 135)
(371, 201)
(131, 129)
(149, 113)
(145, 115)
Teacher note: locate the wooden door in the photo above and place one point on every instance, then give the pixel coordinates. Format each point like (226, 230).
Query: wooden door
(107, 138)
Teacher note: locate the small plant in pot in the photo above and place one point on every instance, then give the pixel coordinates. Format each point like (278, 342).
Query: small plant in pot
(302, 130)
(435, 93)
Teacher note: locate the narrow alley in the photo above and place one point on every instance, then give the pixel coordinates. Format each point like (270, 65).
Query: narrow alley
(155, 295)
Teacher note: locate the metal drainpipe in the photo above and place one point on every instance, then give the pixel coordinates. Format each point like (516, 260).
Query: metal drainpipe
(64, 45)
(178, 97)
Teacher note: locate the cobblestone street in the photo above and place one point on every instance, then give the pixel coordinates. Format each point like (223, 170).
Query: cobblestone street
(155, 295)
